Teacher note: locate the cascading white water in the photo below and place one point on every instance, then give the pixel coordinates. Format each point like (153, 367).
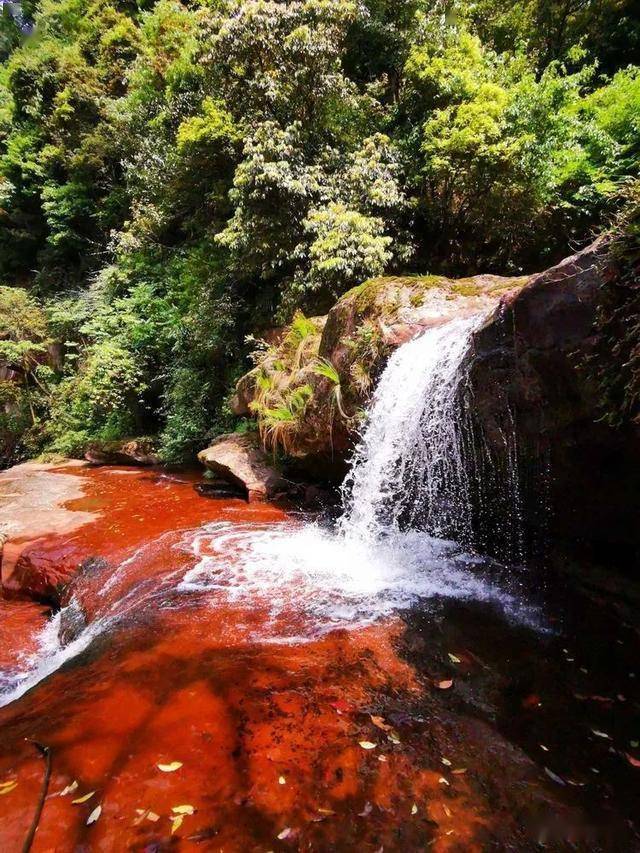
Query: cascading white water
(410, 467)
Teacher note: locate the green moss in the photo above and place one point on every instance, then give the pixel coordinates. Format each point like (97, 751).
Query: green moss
(370, 294)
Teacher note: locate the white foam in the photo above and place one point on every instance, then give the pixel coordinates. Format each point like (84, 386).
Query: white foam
(334, 579)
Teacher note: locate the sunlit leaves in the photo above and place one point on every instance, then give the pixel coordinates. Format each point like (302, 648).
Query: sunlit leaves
(95, 814)
(84, 798)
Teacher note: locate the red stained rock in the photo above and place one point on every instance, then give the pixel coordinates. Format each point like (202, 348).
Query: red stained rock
(240, 460)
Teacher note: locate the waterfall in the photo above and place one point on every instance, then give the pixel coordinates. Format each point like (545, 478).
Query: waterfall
(410, 469)
(402, 539)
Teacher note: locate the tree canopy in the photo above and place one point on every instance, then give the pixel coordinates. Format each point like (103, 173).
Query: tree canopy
(177, 175)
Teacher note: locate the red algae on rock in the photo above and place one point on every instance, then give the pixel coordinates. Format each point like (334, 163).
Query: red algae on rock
(259, 719)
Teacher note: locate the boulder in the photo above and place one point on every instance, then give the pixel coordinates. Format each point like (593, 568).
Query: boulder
(137, 451)
(240, 460)
(34, 502)
(538, 406)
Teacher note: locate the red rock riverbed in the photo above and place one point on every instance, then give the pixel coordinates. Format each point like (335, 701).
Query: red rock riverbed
(199, 722)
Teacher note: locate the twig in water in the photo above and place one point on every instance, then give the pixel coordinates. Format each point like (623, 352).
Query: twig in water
(45, 752)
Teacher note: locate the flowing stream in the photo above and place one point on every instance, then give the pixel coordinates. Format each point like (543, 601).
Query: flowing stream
(408, 489)
(361, 685)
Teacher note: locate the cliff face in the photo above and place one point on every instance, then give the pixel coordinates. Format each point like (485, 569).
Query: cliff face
(544, 452)
(538, 401)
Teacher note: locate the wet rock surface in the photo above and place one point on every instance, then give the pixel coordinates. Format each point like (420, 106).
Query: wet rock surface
(539, 411)
(33, 507)
(448, 726)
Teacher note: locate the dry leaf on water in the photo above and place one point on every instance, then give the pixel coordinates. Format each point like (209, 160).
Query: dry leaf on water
(83, 799)
(176, 823)
(95, 814)
(554, 776)
(286, 832)
(8, 787)
(414, 809)
(282, 780)
(366, 744)
(69, 789)
(445, 685)
(186, 809)
(170, 768)
(454, 659)
(380, 723)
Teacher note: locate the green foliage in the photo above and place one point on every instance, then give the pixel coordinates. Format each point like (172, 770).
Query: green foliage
(616, 360)
(24, 371)
(283, 383)
(175, 174)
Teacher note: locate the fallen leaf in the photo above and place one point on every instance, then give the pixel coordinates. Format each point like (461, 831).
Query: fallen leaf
(454, 659)
(8, 788)
(83, 799)
(326, 811)
(69, 789)
(601, 734)
(366, 744)
(632, 761)
(393, 737)
(445, 685)
(414, 809)
(443, 781)
(152, 816)
(95, 814)
(554, 776)
(286, 832)
(546, 748)
(459, 771)
(382, 758)
(366, 811)
(380, 723)
(186, 809)
(176, 823)
(282, 780)
(170, 768)
(446, 762)
(447, 810)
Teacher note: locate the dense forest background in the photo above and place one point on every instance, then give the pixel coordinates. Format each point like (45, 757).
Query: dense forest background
(176, 177)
